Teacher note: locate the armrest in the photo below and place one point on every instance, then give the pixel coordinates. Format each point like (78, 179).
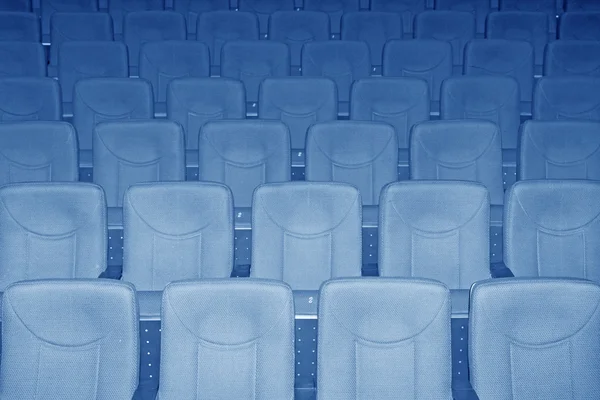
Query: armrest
(241, 271)
(370, 216)
(112, 272)
(306, 302)
(243, 218)
(500, 270)
(150, 303)
(114, 216)
(462, 390)
(460, 303)
(370, 269)
(145, 392)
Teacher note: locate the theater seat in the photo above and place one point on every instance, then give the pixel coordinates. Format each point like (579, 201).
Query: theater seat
(69, 340)
(298, 102)
(551, 228)
(29, 99)
(435, 230)
(567, 97)
(38, 151)
(52, 230)
(535, 339)
(192, 102)
(305, 233)
(130, 152)
(244, 155)
(378, 338)
(227, 339)
(359, 153)
(579, 26)
(109, 99)
(572, 57)
(19, 26)
(490, 98)
(559, 150)
(466, 150)
(22, 59)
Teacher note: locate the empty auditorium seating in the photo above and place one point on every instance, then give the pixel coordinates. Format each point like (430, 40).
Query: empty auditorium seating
(579, 26)
(531, 27)
(191, 9)
(161, 62)
(264, 9)
(503, 57)
(305, 233)
(430, 60)
(468, 150)
(407, 8)
(400, 102)
(16, 5)
(375, 29)
(49, 7)
(29, 99)
(378, 338)
(69, 340)
(187, 225)
(299, 103)
(253, 61)
(19, 26)
(491, 98)
(581, 5)
(109, 99)
(244, 155)
(22, 59)
(480, 9)
(559, 150)
(217, 27)
(567, 97)
(132, 152)
(89, 27)
(295, 28)
(363, 154)
(51, 230)
(38, 151)
(150, 26)
(342, 61)
(534, 339)
(192, 102)
(78, 60)
(455, 27)
(335, 9)
(436, 230)
(572, 57)
(244, 327)
(550, 227)
(119, 9)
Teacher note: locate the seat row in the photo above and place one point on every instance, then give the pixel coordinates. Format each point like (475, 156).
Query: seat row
(298, 28)
(225, 339)
(245, 154)
(302, 232)
(299, 102)
(118, 9)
